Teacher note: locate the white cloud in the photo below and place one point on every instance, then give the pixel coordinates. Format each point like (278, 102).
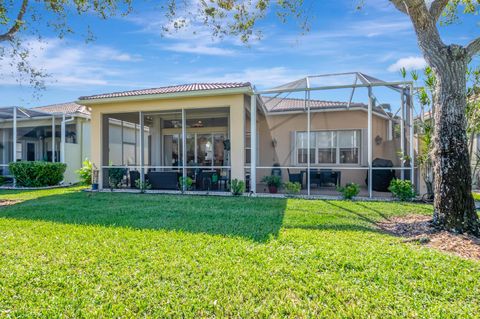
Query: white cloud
(409, 63)
(69, 64)
(189, 36)
(199, 48)
(262, 77)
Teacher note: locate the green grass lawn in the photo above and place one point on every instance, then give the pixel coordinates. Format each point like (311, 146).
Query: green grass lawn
(67, 253)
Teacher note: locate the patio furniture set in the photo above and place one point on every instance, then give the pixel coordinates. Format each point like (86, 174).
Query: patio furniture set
(318, 177)
(203, 180)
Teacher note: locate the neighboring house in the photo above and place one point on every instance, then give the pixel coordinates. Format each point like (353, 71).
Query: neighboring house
(77, 135)
(207, 127)
(34, 141)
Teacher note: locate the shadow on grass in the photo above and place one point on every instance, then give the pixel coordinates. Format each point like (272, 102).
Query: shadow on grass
(250, 218)
(333, 215)
(333, 227)
(358, 215)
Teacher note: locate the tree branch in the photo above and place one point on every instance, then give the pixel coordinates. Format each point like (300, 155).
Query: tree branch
(437, 7)
(400, 5)
(423, 23)
(473, 47)
(406, 6)
(7, 36)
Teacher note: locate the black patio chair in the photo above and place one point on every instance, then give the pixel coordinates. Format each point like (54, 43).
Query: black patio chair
(328, 177)
(207, 181)
(276, 171)
(315, 177)
(134, 177)
(295, 177)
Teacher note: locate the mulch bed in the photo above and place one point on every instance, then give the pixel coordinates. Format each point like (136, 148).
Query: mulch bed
(418, 228)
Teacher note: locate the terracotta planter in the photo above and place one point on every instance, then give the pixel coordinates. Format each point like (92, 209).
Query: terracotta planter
(272, 189)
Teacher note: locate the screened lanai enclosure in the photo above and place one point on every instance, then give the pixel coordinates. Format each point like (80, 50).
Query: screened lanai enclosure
(160, 147)
(321, 131)
(32, 135)
(328, 130)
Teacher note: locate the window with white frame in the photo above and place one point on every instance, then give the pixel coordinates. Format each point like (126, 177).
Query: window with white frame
(329, 147)
(302, 147)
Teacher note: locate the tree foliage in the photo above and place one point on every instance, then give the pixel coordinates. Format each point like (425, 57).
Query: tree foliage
(425, 94)
(237, 18)
(22, 20)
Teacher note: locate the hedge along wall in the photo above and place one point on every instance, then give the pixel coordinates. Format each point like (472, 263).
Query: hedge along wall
(37, 174)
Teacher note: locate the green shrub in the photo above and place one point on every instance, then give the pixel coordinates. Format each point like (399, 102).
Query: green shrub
(36, 173)
(142, 186)
(349, 191)
(237, 187)
(292, 188)
(85, 172)
(2, 180)
(185, 183)
(402, 189)
(115, 176)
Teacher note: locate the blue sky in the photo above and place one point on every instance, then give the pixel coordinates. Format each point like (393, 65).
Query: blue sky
(131, 52)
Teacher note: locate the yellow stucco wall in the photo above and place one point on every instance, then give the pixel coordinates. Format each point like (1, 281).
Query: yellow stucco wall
(236, 104)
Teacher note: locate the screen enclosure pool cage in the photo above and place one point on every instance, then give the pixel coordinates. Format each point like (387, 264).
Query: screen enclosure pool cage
(310, 92)
(32, 135)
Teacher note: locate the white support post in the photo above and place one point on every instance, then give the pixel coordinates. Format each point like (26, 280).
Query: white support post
(14, 133)
(62, 140)
(253, 144)
(53, 138)
(402, 134)
(369, 144)
(411, 123)
(142, 146)
(122, 139)
(184, 149)
(308, 141)
(14, 139)
(6, 156)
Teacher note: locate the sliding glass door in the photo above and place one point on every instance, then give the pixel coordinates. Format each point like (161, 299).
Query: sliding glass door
(203, 149)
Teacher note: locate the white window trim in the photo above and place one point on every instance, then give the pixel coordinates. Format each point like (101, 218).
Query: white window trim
(337, 152)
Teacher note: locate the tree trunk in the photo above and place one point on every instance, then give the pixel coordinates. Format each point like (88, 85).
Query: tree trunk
(454, 207)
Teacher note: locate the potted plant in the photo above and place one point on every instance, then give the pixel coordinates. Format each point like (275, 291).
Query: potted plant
(273, 183)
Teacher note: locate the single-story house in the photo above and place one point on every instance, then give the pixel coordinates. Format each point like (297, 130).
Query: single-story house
(203, 131)
(71, 144)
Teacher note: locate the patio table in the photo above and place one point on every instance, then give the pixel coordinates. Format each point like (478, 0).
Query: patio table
(318, 176)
